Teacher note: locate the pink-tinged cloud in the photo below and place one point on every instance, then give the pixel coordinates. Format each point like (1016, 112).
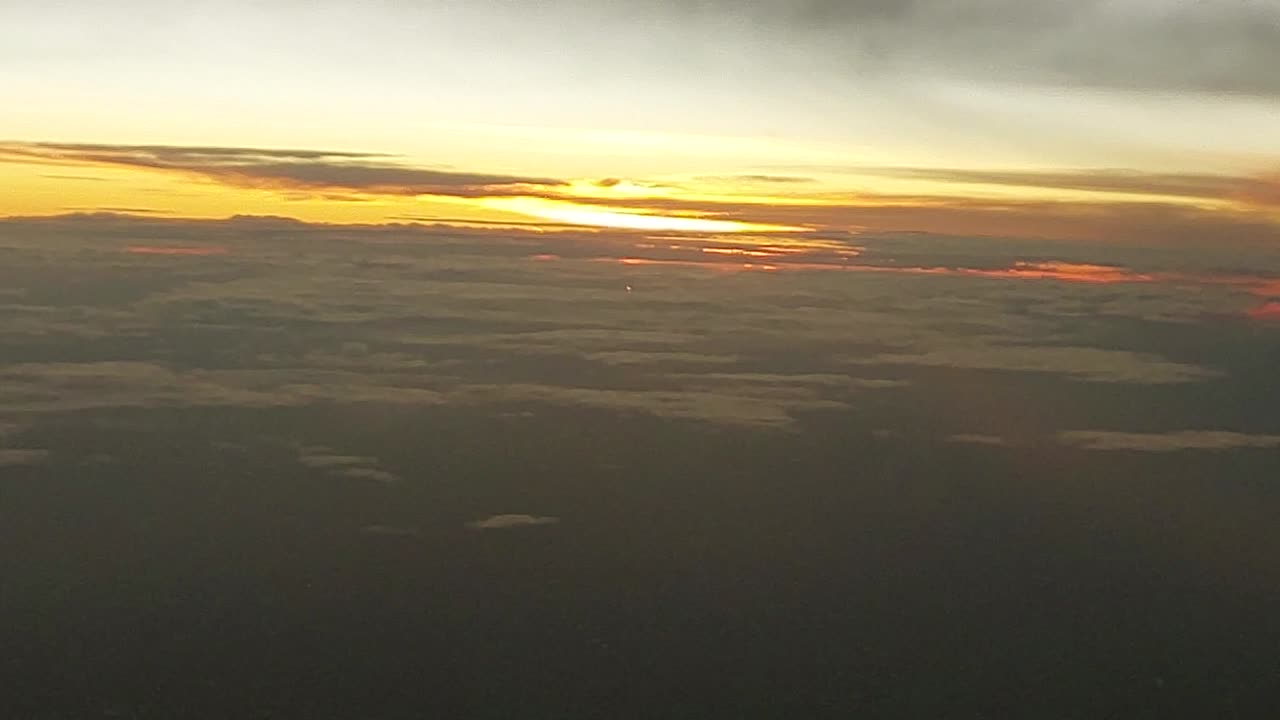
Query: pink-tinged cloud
(1266, 311)
(727, 259)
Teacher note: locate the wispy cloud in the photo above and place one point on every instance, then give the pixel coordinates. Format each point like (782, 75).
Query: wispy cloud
(11, 457)
(359, 467)
(1261, 190)
(1081, 363)
(977, 439)
(504, 522)
(1166, 442)
(283, 169)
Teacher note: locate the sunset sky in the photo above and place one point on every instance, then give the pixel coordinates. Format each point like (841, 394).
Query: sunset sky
(631, 359)
(1029, 118)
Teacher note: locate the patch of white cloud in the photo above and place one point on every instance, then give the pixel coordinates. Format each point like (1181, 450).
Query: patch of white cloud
(359, 467)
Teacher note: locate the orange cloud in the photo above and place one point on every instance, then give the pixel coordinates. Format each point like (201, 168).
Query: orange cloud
(1266, 311)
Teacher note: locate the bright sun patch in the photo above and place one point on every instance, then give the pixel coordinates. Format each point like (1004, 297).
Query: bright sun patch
(599, 217)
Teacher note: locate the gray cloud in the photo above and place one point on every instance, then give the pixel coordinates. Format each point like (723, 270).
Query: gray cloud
(298, 315)
(1142, 45)
(741, 406)
(503, 522)
(977, 439)
(11, 457)
(389, 530)
(1166, 442)
(362, 473)
(276, 168)
(359, 467)
(1262, 190)
(1081, 363)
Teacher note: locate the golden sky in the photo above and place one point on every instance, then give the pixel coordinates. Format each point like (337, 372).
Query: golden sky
(650, 115)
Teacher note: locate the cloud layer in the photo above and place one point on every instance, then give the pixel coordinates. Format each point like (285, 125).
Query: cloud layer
(762, 334)
(280, 169)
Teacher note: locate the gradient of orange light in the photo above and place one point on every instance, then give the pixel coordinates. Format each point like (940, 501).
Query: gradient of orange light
(43, 189)
(47, 189)
(633, 219)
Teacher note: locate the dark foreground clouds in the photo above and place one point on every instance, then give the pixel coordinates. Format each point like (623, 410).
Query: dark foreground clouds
(256, 467)
(751, 332)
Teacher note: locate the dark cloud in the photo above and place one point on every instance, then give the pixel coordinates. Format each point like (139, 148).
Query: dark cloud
(321, 170)
(1215, 47)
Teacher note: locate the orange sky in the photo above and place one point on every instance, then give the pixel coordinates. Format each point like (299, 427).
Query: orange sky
(347, 187)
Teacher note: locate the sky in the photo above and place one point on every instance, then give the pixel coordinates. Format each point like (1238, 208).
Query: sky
(730, 359)
(852, 115)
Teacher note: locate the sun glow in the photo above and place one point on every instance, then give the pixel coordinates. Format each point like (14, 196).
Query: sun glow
(596, 216)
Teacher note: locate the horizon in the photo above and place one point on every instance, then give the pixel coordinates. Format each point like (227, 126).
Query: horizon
(639, 359)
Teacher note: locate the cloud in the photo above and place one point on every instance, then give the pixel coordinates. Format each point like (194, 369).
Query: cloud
(503, 522)
(977, 439)
(1120, 222)
(297, 315)
(1079, 363)
(758, 178)
(281, 169)
(118, 210)
(1142, 45)
(86, 178)
(639, 357)
(364, 473)
(64, 387)
(359, 467)
(1266, 311)
(1166, 442)
(1261, 190)
(741, 405)
(390, 530)
(13, 457)
(323, 458)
